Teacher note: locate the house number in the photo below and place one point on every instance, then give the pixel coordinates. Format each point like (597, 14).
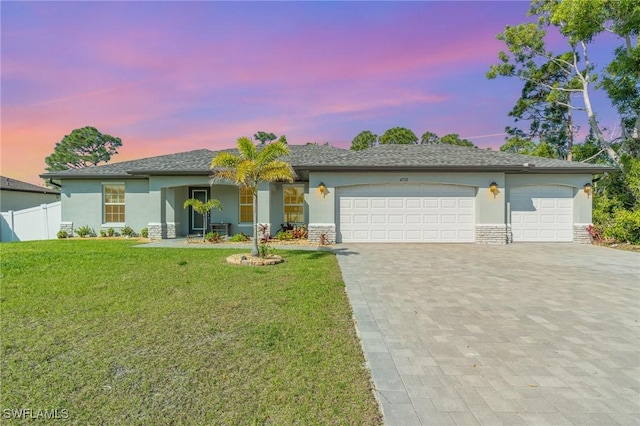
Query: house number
(404, 179)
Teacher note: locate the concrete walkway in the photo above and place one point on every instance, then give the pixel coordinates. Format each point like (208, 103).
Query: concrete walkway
(534, 334)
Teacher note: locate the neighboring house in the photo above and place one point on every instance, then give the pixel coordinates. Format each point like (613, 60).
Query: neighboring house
(388, 193)
(18, 195)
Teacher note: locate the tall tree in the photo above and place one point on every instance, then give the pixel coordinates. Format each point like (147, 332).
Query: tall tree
(429, 138)
(81, 148)
(579, 22)
(265, 137)
(398, 136)
(364, 140)
(253, 165)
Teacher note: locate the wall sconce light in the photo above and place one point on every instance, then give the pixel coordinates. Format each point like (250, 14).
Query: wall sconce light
(493, 188)
(588, 188)
(322, 188)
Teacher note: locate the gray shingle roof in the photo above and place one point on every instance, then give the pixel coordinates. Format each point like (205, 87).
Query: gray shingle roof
(8, 184)
(322, 157)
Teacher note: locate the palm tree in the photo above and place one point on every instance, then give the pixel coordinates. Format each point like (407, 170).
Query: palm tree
(253, 165)
(203, 209)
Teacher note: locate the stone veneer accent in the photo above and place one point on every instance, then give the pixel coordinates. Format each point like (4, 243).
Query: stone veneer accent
(317, 229)
(580, 233)
(67, 226)
(172, 229)
(157, 231)
(493, 234)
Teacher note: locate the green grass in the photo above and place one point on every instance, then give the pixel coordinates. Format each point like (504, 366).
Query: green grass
(123, 335)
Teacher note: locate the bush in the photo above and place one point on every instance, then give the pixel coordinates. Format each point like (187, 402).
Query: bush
(62, 234)
(213, 237)
(85, 231)
(624, 226)
(239, 238)
(144, 232)
(284, 235)
(111, 232)
(103, 233)
(127, 231)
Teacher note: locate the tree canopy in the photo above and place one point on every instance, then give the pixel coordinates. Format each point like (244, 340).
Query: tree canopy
(81, 148)
(558, 84)
(398, 136)
(364, 140)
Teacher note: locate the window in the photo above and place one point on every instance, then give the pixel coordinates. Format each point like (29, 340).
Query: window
(246, 205)
(294, 204)
(113, 203)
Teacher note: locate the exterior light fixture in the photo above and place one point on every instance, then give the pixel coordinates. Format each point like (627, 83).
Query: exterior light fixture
(588, 188)
(322, 188)
(493, 188)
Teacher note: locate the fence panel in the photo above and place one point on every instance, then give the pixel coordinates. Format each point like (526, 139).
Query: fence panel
(35, 223)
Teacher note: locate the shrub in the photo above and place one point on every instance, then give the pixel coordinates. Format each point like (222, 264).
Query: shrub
(62, 234)
(144, 232)
(239, 238)
(85, 231)
(324, 239)
(213, 237)
(624, 226)
(299, 232)
(111, 232)
(103, 233)
(284, 235)
(127, 231)
(264, 250)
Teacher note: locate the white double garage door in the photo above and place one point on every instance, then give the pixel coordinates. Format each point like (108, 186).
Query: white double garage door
(446, 213)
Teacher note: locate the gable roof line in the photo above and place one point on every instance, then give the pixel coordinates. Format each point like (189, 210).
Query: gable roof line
(10, 184)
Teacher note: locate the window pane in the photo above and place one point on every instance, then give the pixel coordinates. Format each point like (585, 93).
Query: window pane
(246, 213)
(114, 206)
(246, 205)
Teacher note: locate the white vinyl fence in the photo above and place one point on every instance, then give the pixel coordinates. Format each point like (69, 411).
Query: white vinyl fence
(35, 223)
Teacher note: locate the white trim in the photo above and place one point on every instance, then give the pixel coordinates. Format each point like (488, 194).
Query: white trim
(112, 183)
(321, 224)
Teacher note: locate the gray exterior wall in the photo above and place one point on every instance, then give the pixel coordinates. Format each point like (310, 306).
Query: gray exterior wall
(18, 200)
(82, 203)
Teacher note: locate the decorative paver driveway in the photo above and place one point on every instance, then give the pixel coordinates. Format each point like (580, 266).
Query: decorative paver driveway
(519, 334)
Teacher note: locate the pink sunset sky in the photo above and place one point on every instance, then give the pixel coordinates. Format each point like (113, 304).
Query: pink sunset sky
(177, 76)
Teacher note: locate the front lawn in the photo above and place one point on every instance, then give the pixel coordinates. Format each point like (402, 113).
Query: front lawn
(122, 335)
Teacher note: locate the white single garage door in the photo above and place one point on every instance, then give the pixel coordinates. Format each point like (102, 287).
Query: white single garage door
(542, 213)
(406, 212)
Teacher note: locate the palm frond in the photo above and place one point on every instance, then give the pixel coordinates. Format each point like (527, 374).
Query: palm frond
(247, 149)
(272, 152)
(277, 171)
(225, 159)
(223, 175)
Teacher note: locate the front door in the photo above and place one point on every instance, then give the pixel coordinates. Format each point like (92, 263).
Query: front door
(198, 224)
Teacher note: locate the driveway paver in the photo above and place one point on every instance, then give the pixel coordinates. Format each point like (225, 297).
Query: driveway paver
(518, 334)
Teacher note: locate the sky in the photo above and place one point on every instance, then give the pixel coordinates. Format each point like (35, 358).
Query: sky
(169, 77)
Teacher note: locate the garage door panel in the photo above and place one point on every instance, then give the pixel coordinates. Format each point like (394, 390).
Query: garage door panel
(429, 213)
(542, 213)
(377, 203)
(414, 203)
(429, 218)
(396, 204)
(359, 203)
(378, 219)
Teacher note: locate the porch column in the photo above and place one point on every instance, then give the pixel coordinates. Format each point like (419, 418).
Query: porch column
(157, 203)
(322, 208)
(171, 208)
(264, 208)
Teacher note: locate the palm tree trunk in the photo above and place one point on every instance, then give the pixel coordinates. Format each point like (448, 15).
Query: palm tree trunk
(254, 250)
